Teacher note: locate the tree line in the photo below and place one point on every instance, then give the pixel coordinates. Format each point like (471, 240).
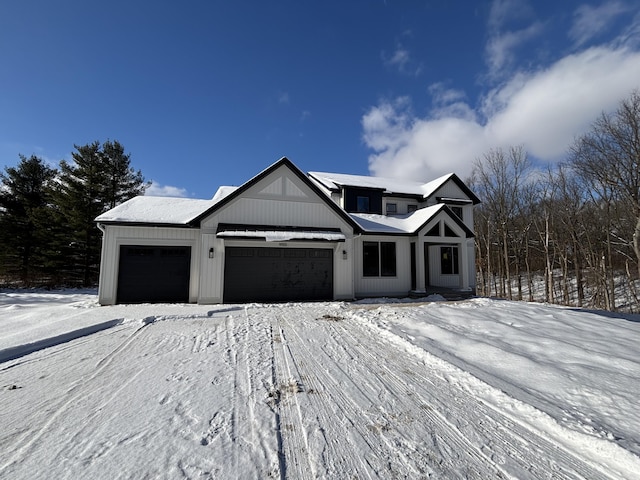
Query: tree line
(569, 234)
(48, 236)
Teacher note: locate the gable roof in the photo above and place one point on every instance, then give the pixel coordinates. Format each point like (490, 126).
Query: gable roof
(283, 162)
(335, 181)
(407, 224)
(390, 186)
(187, 212)
(434, 185)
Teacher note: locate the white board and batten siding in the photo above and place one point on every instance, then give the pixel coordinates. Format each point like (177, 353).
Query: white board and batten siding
(280, 199)
(398, 285)
(118, 235)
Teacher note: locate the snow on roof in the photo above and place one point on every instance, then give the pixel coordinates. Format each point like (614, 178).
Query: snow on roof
(389, 185)
(223, 192)
(147, 209)
(408, 223)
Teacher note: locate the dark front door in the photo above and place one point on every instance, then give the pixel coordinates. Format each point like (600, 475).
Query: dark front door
(260, 274)
(150, 274)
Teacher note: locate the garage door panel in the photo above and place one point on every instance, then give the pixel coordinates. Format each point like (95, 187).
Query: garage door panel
(277, 274)
(153, 274)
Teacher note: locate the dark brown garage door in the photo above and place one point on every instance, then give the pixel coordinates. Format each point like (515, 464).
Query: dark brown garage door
(153, 274)
(258, 274)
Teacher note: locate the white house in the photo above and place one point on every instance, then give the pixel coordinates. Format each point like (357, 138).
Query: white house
(284, 235)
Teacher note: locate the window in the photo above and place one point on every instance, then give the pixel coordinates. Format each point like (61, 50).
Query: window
(457, 211)
(392, 208)
(370, 263)
(448, 232)
(388, 259)
(449, 260)
(435, 231)
(411, 208)
(379, 259)
(362, 204)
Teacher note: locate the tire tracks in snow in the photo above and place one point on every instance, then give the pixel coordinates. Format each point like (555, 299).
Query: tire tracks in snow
(73, 394)
(292, 440)
(404, 416)
(369, 422)
(248, 350)
(530, 453)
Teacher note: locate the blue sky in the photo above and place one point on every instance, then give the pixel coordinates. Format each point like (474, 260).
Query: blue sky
(204, 93)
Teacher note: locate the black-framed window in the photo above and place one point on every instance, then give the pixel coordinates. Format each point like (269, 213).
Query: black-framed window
(379, 259)
(449, 260)
(392, 208)
(362, 204)
(457, 211)
(411, 208)
(388, 259)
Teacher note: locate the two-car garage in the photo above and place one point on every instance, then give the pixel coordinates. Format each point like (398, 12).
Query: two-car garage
(278, 237)
(154, 274)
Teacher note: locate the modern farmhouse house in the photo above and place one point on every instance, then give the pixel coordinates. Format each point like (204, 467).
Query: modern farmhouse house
(284, 235)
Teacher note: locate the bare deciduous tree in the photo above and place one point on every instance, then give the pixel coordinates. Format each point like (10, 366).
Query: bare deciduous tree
(608, 157)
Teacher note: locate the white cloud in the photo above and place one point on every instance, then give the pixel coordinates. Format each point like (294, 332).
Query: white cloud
(590, 21)
(399, 58)
(500, 48)
(503, 11)
(504, 38)
(283, 98)
(543, 110)
(158, 190)
(449, 102)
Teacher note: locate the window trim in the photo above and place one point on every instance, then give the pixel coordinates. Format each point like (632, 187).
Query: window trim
(384, 256)
(393, 210)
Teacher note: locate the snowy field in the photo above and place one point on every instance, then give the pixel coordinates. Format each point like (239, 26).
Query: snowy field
(475, 389)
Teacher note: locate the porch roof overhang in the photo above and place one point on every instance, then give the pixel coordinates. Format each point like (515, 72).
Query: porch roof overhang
(279, 234)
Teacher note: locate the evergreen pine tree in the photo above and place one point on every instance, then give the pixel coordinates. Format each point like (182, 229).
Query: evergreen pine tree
(123, 182)
(26, 220)
(98, 178)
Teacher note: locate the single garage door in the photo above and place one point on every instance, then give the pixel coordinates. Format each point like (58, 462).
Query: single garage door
(153, 274)
(259, 274)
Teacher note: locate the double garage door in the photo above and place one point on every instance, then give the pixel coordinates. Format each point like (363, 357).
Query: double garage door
(154, 274)
(259, 274)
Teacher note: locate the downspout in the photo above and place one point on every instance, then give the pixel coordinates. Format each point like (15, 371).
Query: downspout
(101, 227)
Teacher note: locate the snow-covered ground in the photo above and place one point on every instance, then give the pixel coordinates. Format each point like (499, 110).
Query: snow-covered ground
(474, 389)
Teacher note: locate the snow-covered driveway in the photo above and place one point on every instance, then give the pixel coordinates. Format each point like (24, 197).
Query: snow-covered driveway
(277, 391)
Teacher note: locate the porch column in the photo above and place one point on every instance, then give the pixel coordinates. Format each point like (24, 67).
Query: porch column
(463, 258)
(420, 273)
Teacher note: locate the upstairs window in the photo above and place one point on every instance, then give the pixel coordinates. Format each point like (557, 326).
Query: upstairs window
(362, 200)
(379, 259)
(412, 208)
(457, 211)
(392, 208)
(362, 204)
